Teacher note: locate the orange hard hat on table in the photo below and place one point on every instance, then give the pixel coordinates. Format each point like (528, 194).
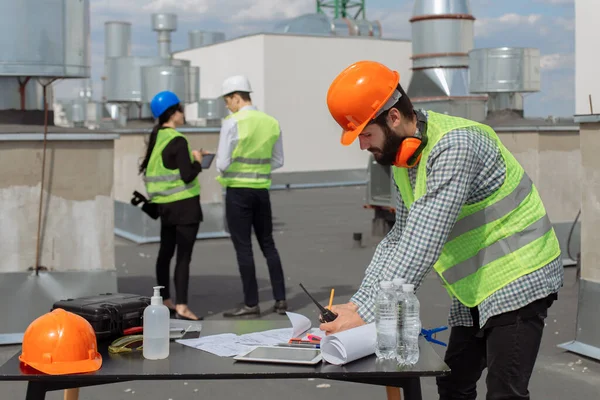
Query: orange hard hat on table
(359, 93)
(59, 343)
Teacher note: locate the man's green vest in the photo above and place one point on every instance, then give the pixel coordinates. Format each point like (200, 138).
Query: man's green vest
(494, 241)
(251, 158)
(165, 185)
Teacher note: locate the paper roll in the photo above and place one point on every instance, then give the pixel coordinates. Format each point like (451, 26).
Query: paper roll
(347, 346)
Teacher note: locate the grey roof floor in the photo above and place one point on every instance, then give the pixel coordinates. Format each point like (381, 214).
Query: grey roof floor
(313, 232)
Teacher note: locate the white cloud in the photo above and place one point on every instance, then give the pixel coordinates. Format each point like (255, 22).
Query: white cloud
(394, 23)
(193, 10)
(491, 26)
(555, 1)
(556, 61)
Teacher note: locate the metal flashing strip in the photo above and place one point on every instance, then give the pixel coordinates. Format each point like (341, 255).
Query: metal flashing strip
(581, 348)
(586, 118)
(11, 338)
(535, 128)
(148, 129)
(317, 185)
(156, 239)
(587, 340)
(18, 137)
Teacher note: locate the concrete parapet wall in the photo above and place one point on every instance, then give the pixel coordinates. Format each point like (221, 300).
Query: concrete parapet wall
(77, 208)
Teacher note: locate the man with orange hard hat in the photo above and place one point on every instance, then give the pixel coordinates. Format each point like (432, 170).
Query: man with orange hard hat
(466, 208)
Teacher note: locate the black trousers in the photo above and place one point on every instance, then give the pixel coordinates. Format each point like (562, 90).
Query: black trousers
(245, 209)
(183, 238)
(508, 346)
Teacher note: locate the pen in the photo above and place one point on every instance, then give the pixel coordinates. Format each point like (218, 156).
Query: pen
(300, 345)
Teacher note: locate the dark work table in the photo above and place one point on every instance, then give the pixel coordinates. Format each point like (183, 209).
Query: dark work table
(187, 363)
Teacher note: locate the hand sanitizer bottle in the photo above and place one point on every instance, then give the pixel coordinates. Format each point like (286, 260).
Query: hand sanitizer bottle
(156, 328)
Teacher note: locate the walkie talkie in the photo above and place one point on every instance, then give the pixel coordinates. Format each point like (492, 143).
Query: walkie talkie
(326, 314)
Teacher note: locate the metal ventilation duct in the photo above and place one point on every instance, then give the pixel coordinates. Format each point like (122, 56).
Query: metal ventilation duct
(442, 36)
(203, 38)
(503, 74)
(157, 78)
(164, 24)
(307, 24)
(117, 39)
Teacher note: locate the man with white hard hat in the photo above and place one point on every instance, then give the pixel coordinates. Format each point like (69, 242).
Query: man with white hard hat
(250, 147)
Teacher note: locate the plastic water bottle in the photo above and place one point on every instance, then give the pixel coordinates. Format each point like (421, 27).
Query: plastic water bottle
(386, 321)
(411, 325)
(401, 306)
(156, 328)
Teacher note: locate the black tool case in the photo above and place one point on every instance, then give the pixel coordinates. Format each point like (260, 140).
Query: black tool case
(110, 313)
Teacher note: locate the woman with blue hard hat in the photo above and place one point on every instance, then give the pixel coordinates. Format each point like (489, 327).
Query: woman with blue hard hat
(171, 171)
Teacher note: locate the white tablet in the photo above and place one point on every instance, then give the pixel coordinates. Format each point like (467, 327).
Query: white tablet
(281, 355)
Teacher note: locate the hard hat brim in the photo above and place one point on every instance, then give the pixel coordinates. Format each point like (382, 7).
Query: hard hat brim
(66, 368)
(348, 137)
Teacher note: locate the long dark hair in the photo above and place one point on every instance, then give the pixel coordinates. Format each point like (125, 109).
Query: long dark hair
(163, 119)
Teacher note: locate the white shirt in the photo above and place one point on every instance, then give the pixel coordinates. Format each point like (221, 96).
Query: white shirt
(228, 139)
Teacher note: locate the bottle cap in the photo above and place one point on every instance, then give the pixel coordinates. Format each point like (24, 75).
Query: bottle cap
(156, 298)
(399, 282)
(408, 287)
(386, 284)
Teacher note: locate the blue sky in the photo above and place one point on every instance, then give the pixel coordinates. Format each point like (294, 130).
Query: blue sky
(544, 24)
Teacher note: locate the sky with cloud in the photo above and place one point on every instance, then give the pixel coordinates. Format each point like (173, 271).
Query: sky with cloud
(544, 24)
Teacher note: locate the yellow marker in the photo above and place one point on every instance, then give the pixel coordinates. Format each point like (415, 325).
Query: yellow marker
(331, 298)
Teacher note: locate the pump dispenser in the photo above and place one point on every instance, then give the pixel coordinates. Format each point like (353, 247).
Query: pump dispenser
(156, 328)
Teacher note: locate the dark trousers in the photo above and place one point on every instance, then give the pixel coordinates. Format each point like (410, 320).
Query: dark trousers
(245, 209)
(507, 345)
(183, 238)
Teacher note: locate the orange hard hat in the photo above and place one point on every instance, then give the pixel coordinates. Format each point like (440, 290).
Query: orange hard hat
(359, 93)
(60, 342)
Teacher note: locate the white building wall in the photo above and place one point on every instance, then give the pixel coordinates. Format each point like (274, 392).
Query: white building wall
(217, 62)
(299, 71)
(587, 14)
(290, 76)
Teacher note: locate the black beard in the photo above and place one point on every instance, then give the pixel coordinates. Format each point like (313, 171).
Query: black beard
(391, 146)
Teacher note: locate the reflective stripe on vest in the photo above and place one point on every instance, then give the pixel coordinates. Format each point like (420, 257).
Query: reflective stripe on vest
(248, 175)
(165, 185)
(168, 192)
(163, 178)
(494, 241)
(251, 158)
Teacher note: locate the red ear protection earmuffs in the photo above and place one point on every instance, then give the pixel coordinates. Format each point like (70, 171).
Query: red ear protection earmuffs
(409, 153)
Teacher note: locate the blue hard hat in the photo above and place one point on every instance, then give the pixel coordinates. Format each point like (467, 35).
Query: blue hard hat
(162, 101)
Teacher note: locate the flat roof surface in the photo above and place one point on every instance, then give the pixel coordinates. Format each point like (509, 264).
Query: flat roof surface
(313, 233)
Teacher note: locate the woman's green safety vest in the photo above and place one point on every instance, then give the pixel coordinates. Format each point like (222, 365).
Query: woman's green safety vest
(165, 185)
(251, 158)
(494, 241)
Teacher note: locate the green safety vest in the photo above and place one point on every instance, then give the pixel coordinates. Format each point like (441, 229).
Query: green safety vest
(494, 241)
(165, 185)
(251, 158)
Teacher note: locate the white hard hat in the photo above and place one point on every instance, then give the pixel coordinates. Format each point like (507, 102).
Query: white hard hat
(237, 83)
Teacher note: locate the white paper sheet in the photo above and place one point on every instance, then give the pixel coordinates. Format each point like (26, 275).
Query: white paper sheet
(266, 338)
(230, 344)
(300, 324)
(347, 346)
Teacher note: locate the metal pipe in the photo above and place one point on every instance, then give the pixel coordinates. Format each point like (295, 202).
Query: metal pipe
(39, 228)
(164, 44)
(22, 85)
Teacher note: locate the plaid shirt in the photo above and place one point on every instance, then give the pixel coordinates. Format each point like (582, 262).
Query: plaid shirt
(464, 167)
